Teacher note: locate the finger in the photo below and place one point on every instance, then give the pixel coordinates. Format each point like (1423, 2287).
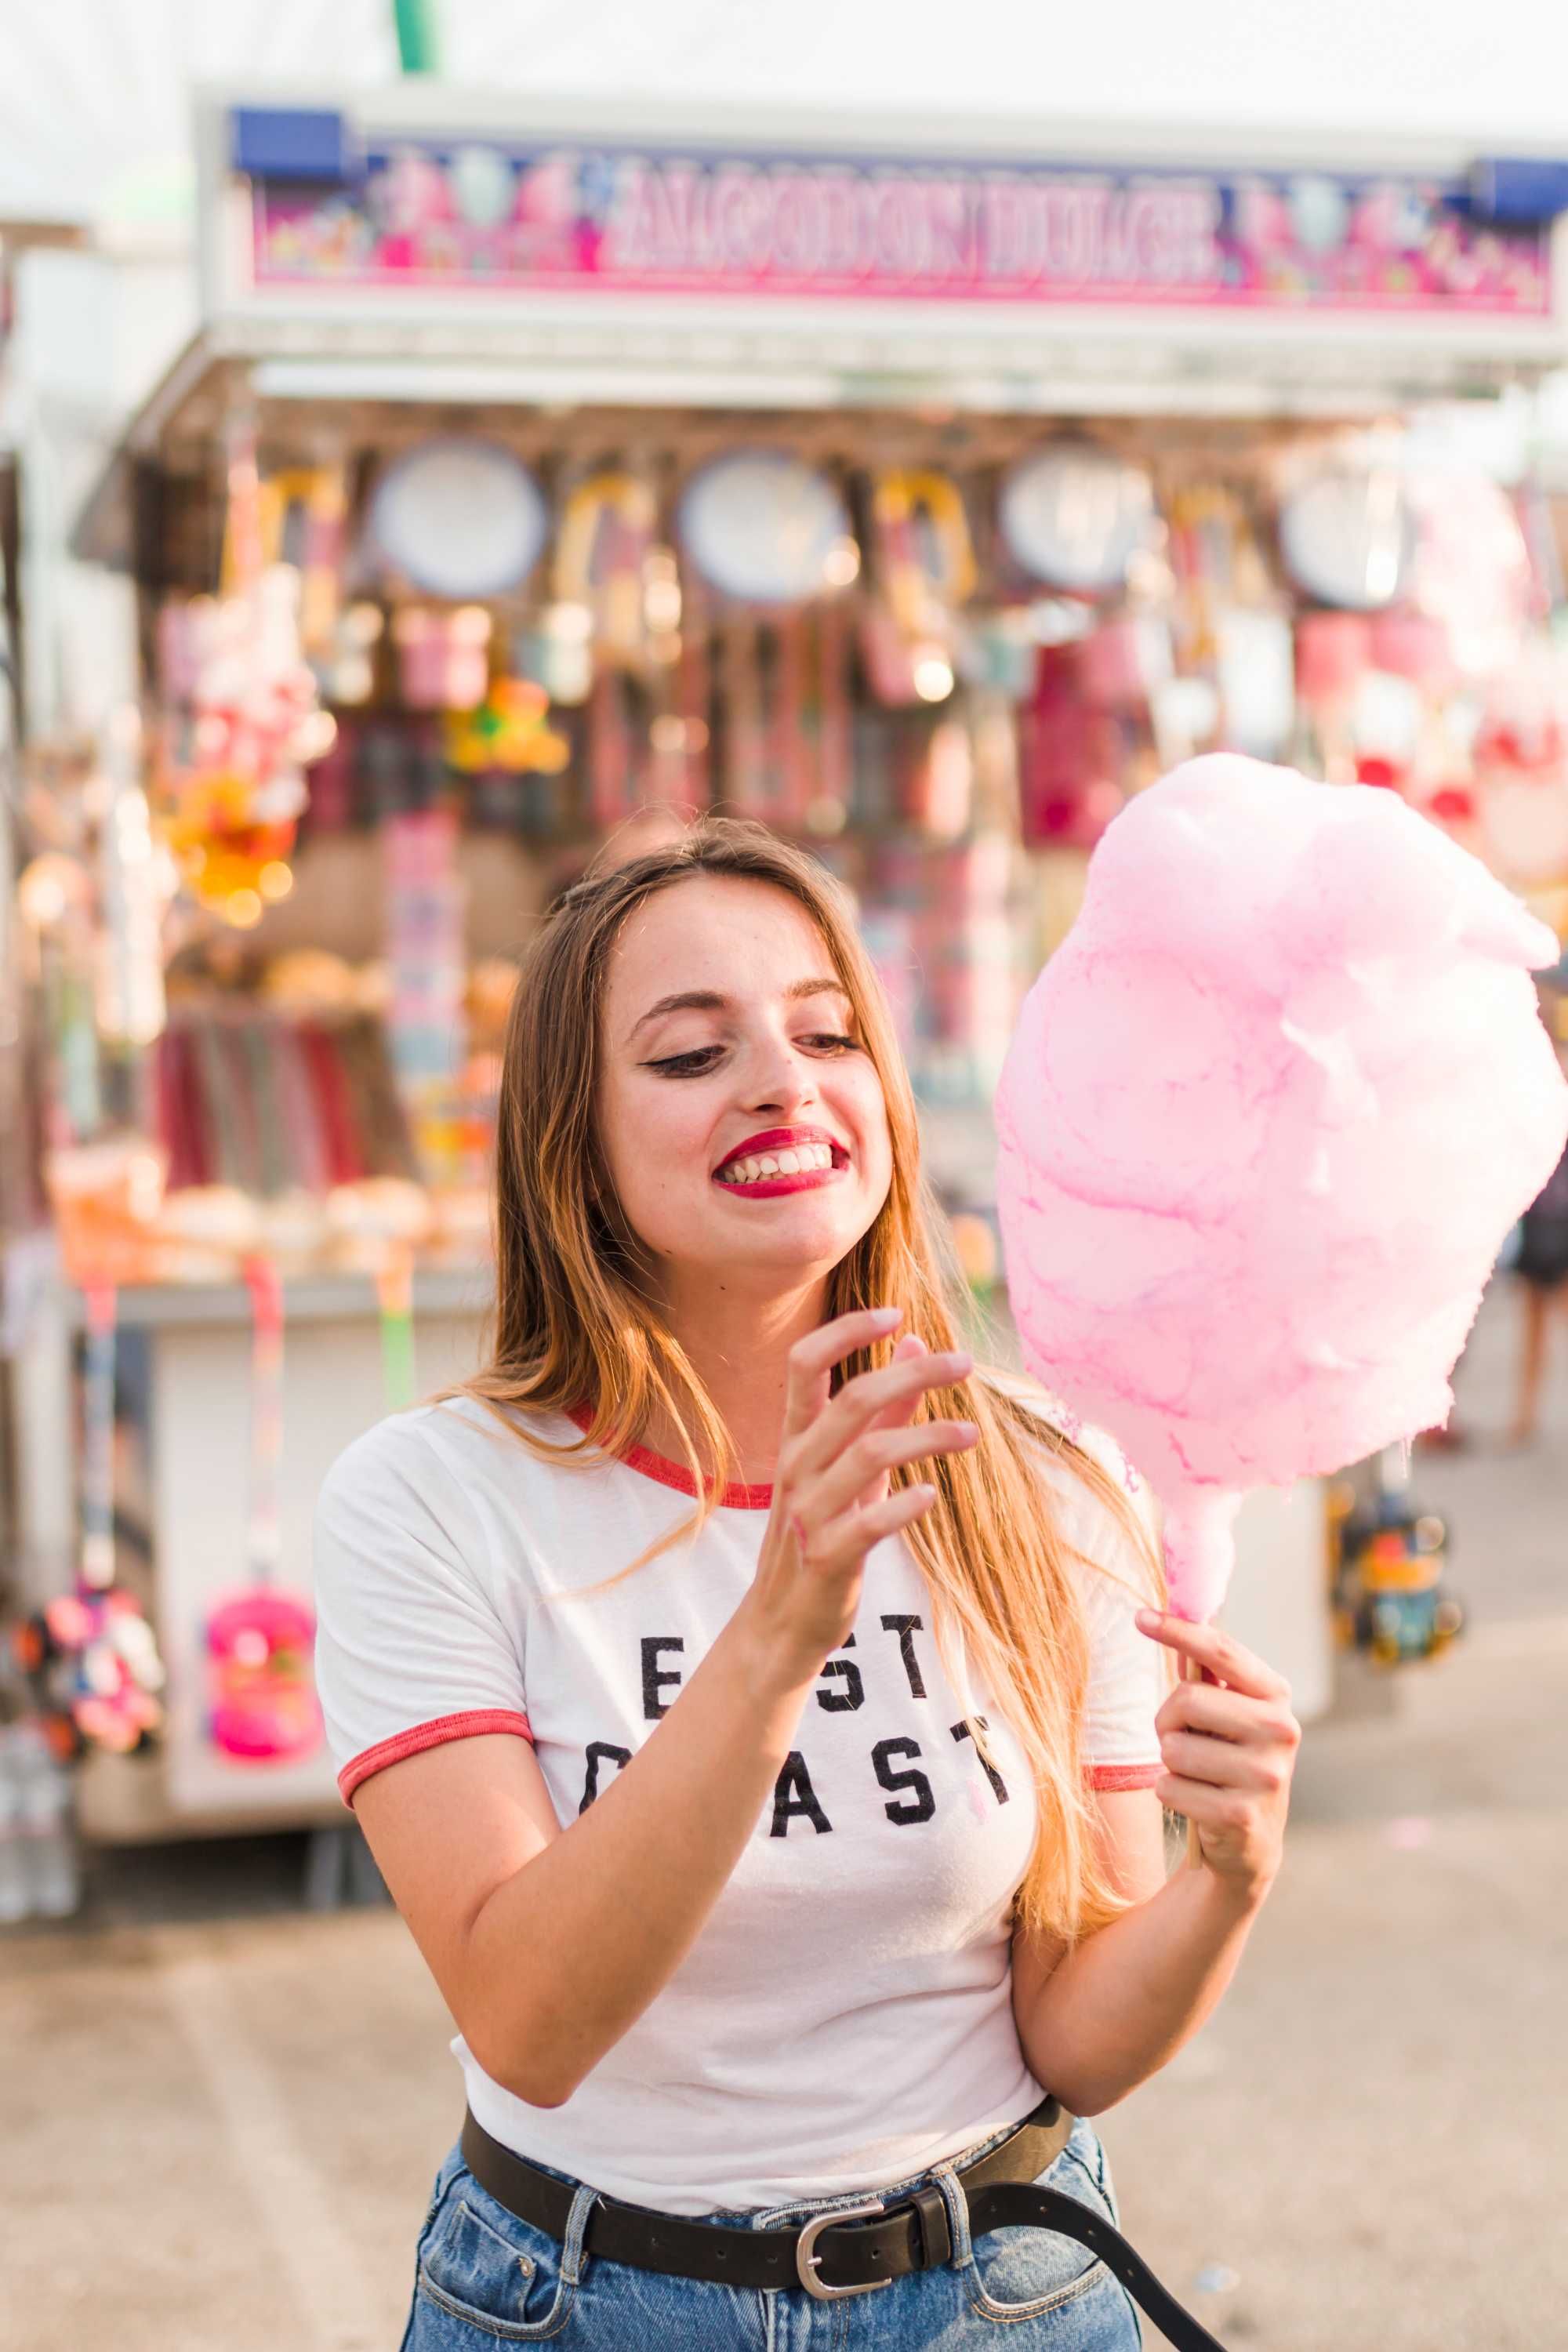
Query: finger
(811, 1360)
(1211, 1808)
(1219, 1763)
(1236, 1666)
(854, 1476)
(909, 1348)
(901, 1412)
(1227, 1714)
(872, 1397)
(842, 1543)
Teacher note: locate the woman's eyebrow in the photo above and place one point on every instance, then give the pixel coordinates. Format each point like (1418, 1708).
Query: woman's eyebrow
(709, 1000)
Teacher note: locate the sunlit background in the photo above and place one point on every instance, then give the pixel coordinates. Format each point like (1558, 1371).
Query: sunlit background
(416, 473)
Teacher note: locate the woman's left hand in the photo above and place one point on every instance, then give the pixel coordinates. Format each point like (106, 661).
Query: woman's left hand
(1229, 1744)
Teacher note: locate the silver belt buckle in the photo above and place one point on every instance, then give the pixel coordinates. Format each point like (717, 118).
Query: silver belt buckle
(807, 2261)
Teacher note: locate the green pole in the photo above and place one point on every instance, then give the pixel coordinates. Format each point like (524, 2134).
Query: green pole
(417, 44)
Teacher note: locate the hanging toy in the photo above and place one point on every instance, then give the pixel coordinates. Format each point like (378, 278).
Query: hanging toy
(262, 1705)
(510, 730)
(320, 495)
(443, 656)
(90, 1656)
(230, 764)
(925, 569)
(925, 562)
(603, 566)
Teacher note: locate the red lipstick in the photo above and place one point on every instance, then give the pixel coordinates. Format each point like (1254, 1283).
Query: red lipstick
(783, 1139)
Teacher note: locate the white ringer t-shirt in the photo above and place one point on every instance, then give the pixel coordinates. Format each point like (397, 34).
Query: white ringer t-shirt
(844, 2019)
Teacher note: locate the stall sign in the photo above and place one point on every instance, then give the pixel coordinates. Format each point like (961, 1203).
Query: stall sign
(469, 213)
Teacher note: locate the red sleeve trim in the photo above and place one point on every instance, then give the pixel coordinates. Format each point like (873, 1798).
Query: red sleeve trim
(472, 1726)
(1116, 1777)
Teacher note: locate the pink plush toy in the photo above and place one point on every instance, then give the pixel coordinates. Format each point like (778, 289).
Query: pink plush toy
(1265, 1121)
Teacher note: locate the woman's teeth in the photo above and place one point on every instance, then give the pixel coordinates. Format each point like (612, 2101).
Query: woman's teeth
(776, 1163)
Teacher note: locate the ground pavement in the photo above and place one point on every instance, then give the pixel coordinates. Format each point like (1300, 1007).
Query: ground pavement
(221, 2114)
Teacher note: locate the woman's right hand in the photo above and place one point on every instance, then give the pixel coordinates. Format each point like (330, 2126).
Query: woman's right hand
(831, 1499)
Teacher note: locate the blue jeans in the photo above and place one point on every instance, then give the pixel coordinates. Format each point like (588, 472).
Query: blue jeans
(485, 2278)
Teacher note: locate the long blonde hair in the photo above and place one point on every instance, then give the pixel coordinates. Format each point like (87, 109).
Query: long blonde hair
(577, 1321)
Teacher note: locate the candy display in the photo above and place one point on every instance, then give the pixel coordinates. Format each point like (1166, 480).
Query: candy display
(270, 1102)
(416, 658)
(1258, 1256)
(709, 631)
(429, 621)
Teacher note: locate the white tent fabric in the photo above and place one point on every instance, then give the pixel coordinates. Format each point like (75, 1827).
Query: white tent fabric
(95, 111)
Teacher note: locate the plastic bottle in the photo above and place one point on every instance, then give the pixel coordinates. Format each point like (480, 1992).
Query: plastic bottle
(15, 1899)
(47, 1841)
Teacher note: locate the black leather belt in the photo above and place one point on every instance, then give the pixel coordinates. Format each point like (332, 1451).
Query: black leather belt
(854, 2250)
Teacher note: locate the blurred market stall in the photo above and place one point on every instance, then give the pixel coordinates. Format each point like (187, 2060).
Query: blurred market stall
(542, 473)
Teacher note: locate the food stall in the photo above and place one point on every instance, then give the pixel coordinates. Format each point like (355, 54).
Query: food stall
(542, 473)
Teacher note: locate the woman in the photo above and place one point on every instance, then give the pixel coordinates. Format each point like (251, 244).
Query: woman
(1542, 1262)
(777, 1858)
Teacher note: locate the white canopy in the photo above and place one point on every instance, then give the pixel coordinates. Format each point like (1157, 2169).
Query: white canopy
(95, 94)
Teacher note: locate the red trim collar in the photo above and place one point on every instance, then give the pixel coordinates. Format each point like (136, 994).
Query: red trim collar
(673, 1474)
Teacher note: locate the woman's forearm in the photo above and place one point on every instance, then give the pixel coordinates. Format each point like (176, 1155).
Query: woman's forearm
(1122, 2003)
(568, 1952)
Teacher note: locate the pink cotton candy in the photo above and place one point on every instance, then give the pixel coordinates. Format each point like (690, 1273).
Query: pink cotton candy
(1266, 1120)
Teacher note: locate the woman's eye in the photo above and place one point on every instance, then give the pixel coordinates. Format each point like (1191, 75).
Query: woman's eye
(682, 1066)
(686, 1065)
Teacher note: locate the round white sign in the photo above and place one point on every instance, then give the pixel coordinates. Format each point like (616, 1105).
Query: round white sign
(459, 517)
(1076, 516)
(1348, 538)
(763, 527)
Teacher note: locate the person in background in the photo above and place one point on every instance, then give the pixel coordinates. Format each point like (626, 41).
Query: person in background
(1541, 1263)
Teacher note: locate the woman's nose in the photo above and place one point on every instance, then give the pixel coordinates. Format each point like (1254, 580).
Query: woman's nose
(783, 1080)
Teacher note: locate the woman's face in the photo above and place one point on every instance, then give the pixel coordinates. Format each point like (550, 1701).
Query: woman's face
(756, 1061)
